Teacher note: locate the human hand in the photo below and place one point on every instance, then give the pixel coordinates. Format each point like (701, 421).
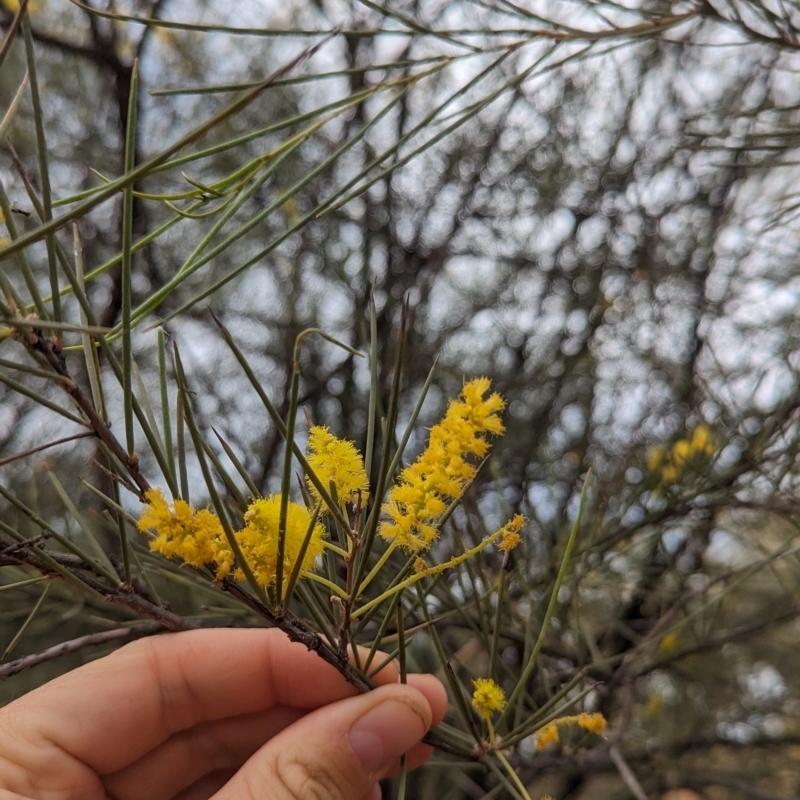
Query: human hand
(234, 714)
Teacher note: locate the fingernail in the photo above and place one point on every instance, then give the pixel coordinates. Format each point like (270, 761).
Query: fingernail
(384, 733)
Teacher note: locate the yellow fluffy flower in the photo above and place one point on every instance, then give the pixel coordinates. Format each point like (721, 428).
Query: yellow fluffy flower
(594, 723)
(259, 538)
(511, 537)
(336, 461)
(488, 698)
(547, 735)
(426, 488)
(196, 537)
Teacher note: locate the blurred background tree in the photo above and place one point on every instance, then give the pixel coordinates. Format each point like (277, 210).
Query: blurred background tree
(591, 203)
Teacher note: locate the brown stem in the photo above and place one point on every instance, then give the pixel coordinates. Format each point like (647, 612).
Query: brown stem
(298, 631)
(33, 557)
(47, 351)
(58, 650)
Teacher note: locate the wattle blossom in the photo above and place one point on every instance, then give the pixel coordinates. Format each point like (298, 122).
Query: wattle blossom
(259, 539)
(488, 698)
(195, 537)
(426, 488)
(336, 461)
(198, 539)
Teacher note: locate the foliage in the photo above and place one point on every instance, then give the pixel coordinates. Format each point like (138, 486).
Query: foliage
(590, 204)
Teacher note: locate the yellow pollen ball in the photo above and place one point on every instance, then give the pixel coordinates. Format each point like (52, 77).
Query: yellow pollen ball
(196, 537)
(488, 697)
(594, 723)
(259, 539)
(336, 461)
(547, 735)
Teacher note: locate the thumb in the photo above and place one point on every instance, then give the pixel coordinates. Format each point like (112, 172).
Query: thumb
(338, 752)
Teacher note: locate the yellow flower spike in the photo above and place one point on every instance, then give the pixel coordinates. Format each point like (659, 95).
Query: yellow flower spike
(439, 476)
(336, 461)
(259, 538)
(488, 698)
(196, 537)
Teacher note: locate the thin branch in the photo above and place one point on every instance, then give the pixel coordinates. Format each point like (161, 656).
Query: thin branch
(101, 637)
(43, 563)
(626, 773)
(26, 453)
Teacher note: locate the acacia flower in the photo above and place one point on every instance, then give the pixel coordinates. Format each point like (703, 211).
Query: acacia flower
(689, 451)
(336, 461)
(259, 538)
(488, 697)
(196, 537)
(594, 723)
(549, 734)
(426, 488)
(511, 537)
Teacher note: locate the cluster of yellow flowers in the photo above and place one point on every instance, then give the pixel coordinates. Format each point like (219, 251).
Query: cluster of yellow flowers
(444, 469)
(415, 504)
(549, 734)
(197, 538)
(488, 698)
(670, 463)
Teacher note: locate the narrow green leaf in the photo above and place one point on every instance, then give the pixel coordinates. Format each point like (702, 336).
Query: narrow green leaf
(123, 540)
(166, 416)
(252, 488)
(14, 105)
(101, 558)
(64, 541)
(278, 422)
(19, 584)
(40, 400)
(551, 607)
(44, 169)
(227, 479)
(127, 238)
(25, 625)
(22, 262)
(184, 474)
(80, 210)
(295, 576)
(219, 506)
(89, 348)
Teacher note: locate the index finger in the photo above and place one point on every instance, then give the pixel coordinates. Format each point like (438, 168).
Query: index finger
(114, 710)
